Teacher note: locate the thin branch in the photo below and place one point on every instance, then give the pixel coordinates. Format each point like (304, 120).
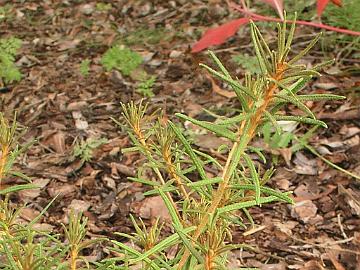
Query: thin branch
(257, 17)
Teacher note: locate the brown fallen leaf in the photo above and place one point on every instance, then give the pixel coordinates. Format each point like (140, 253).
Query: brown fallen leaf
(30, 194)
(68, 44)
(218, 90)
(305, 165)
(153, 207)
(312, 265)
(58, 142)
(304, 210)
(332, 256)
(351, 198)
(79, 206)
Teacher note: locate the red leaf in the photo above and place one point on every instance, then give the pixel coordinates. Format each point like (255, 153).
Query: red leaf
(277, 5)
(218, 35)
(321, 5)
(337, 2)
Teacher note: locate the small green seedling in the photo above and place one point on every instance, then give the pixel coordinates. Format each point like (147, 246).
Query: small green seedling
(85, 67)
(247, 62)
(122, 59)
(84, 149)
(145, 86)
(146, 36)
(5, 12)
(9, 48)
(103, 7)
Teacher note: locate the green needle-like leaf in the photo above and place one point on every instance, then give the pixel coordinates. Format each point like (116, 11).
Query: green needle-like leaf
(217, 129)
(300, 119)
(254, 176)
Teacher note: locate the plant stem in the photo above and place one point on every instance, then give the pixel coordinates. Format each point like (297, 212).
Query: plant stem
(245, 134)
(73, 257)
(257, 17)
(142, 141)
(3, 158)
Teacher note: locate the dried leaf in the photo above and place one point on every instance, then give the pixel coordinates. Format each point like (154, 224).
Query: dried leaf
(304, 210)
(153, 207)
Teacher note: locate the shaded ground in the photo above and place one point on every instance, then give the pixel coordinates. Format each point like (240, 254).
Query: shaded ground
(60, 107)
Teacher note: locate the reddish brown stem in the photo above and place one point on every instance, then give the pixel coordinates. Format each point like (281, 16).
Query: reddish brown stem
(257, 17)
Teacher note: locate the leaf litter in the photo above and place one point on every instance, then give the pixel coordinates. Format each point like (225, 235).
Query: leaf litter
(60, 107)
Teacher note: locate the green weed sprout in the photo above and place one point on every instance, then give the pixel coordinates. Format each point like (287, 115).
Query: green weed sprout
(122, 59)
(85, 67)
(5, 12)
(210, 207)
(249, 63)
(145, 86)
(84, 149)
(8, 50)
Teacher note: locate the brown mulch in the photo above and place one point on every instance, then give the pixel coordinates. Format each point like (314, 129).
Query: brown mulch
(61, 107)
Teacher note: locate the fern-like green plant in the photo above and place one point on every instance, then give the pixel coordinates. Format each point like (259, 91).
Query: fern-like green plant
(248, 63)
(85, 67)
(8, 50)
(145, 86)
(122, 59)
(210, 207)
(5, 12)
(84, 149)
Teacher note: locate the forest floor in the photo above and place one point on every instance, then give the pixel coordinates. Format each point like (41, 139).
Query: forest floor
(61, 107)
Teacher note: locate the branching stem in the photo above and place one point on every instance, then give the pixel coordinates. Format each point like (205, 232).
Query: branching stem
(245, 133)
